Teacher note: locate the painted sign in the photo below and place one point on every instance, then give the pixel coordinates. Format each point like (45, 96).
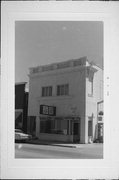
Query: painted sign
(48, 110)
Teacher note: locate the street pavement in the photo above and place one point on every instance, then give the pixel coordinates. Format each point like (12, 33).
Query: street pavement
(59, 151)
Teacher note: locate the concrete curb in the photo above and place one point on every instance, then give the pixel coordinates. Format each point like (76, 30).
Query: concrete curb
(63, 145)
(53, 144)
(48, 144)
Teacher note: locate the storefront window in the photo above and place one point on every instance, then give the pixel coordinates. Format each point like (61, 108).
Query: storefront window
(46, 125)
(59, 125)
(54, 126)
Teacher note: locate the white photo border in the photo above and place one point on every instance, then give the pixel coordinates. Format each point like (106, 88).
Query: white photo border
(55, 168)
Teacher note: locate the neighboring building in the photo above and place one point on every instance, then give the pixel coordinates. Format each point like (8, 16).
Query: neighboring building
(63, 100)
(100, 119)
(21, 106)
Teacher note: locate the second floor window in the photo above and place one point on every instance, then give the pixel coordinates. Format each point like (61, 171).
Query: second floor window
(47, 91)
(90, 88)
(63, 90)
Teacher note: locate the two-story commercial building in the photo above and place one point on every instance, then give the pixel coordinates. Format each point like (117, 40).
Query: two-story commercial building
(63, 100)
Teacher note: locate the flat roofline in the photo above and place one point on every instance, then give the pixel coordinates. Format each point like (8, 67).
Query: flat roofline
(66, 61)
(60, 62)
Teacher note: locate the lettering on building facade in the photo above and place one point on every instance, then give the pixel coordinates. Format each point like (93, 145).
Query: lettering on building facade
(48, 110)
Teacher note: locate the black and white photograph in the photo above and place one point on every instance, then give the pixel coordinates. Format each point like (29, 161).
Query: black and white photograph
(59, 89)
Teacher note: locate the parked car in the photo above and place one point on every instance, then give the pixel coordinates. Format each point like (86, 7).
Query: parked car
(21, 136)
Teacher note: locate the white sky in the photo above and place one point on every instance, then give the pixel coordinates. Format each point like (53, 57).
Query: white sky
(44, 42)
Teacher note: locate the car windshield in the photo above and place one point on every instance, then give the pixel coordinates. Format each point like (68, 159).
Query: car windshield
(18, 130)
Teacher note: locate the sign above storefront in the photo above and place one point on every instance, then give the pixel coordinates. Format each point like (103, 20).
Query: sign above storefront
(48, 110)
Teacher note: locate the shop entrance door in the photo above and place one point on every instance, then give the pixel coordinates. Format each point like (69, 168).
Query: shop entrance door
(76, 132)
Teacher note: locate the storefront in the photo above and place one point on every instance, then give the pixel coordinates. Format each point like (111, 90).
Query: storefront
(63, 128)
(49, 126)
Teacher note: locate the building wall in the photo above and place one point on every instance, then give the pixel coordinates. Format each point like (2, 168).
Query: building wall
(78, 103)
(19, 95)
(71, 105)
(64, 104)
(92, 100)
(21, 106)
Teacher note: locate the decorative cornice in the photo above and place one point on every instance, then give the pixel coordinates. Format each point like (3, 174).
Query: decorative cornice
(58, 66)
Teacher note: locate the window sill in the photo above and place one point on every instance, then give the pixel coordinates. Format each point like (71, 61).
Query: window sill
(55, 97)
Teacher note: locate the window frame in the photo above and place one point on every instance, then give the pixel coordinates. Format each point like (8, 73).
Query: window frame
(90, 94)
(63, 90)
(46, 91)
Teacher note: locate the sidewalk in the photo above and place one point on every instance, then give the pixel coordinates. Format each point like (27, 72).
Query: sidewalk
(60, 144)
